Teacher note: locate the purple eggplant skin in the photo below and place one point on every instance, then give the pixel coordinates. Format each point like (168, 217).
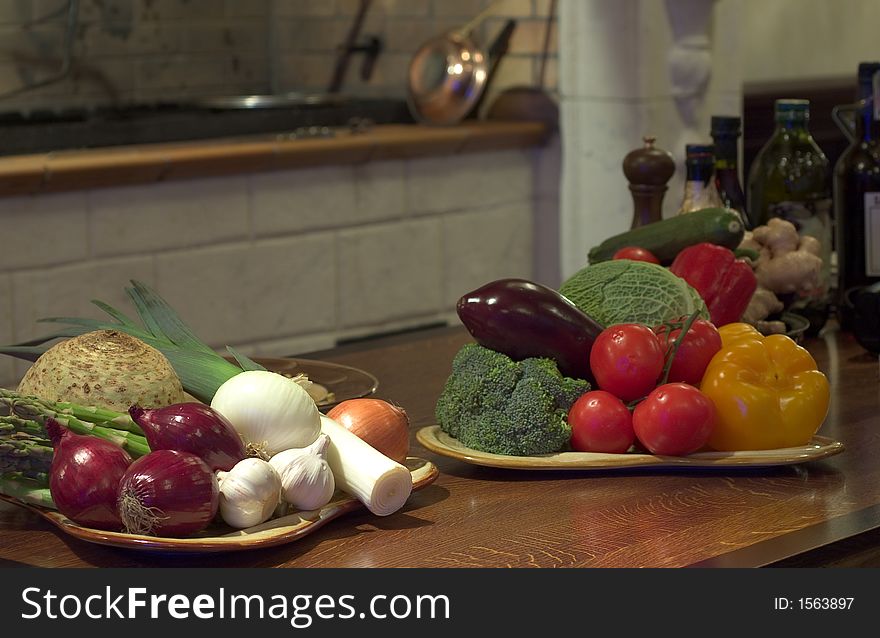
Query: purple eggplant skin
(523, 319)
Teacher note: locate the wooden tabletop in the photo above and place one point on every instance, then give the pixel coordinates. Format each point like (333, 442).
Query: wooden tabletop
(818, 513)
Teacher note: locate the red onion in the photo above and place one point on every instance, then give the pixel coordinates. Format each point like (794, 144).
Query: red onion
(168, 493)
(191, 427)
(85, 477)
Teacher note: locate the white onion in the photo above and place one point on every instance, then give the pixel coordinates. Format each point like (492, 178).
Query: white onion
(271, 412)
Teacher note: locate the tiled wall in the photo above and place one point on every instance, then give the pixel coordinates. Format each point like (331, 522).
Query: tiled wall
(275, 263)
(167, 50)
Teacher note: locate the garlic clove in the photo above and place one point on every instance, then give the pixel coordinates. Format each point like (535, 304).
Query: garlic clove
(308, 483)
(249, 493)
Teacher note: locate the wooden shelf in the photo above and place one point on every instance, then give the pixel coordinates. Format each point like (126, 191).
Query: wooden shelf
(124, 165)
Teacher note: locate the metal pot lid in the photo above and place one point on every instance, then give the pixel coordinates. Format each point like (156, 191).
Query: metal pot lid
(446, 77)
(270, 101)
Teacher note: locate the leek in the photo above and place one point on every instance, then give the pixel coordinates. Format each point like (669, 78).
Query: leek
(200, 368)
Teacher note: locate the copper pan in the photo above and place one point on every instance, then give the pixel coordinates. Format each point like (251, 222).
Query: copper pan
(448, 75)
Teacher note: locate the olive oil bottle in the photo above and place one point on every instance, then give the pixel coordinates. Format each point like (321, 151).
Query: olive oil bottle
(790, 178)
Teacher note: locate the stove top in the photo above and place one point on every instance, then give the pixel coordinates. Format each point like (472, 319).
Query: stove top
(47, 130)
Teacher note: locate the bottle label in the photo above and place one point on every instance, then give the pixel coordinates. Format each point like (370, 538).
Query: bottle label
(875, 94)
(872, 240)
(812, 217)
(698, 195)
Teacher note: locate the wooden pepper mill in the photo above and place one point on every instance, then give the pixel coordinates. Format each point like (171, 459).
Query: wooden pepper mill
(648, 170)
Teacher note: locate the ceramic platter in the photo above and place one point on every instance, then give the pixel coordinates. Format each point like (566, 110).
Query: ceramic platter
(221, 538)
(437, 441)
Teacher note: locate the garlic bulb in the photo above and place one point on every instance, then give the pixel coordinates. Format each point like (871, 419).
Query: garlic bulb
(307, 481)
(249, 493)
(271, 412)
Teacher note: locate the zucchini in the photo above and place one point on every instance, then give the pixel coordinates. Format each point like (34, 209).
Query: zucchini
(667, 237)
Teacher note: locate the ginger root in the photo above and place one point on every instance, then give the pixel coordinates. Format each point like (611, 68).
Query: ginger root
(778, 235)
(762, 304)
(787, 262)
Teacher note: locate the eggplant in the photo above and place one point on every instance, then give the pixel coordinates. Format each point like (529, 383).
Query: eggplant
(523, 319)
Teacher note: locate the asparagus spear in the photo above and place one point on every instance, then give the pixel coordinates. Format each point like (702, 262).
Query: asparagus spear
(20, 453)
(26, 489)
(32, 409)
(91, 414)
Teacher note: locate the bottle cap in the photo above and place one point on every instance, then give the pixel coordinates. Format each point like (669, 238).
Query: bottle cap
(867, 70)
(792, 110)
(700, 151)
(726, 125)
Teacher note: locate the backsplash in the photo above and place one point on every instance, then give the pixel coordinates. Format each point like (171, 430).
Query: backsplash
(275, 263)
(145, 51)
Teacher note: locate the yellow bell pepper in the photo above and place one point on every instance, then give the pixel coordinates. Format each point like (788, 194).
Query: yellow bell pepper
(767, 391)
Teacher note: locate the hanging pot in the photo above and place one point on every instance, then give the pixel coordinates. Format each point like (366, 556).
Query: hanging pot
(447, 76)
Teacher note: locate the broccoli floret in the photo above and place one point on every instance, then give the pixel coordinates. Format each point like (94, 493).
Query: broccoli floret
(494, 404)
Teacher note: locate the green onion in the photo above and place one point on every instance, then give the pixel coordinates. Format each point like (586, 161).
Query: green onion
(200, 368)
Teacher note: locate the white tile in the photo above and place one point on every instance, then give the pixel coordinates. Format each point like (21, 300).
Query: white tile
(43, 230)
(163, 216)
(389, 271)
(393, 7)
(246, 292)
(485, 245)
(469, 180)
(297, 200)
(7, 372)
(379, 191)
(293, 346)
(67, 291)
(304, 7)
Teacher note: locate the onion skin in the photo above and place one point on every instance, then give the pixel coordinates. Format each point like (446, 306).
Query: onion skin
(178, 488)
(383, 425)
(194, 428)
(85, 477)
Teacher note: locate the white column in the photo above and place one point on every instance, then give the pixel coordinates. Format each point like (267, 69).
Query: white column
(627, 69)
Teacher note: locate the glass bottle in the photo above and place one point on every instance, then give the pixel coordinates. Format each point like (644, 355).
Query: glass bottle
(699, 186)
(726, 130)
(857, 189)
(790, 178)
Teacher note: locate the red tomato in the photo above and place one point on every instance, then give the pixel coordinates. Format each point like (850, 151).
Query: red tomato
(626, 360)
(697, 348)
(636, 254)
(600, 422)
(676, 419)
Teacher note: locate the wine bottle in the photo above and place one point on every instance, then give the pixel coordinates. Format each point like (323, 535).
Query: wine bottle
(726, 130)
(790, 178)
(857, 191)
(699, 186)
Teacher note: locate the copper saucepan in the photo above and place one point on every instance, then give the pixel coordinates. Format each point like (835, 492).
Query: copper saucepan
(447, 75)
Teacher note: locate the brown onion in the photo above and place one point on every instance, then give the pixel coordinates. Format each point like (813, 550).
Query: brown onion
(383, 425)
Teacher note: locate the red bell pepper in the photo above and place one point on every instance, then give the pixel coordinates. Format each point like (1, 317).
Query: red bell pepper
(724, 282)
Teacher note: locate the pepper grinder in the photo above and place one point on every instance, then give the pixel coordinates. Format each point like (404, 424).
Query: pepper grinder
(648, 170)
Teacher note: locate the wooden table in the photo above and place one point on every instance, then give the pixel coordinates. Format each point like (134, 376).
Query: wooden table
(820, 513)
